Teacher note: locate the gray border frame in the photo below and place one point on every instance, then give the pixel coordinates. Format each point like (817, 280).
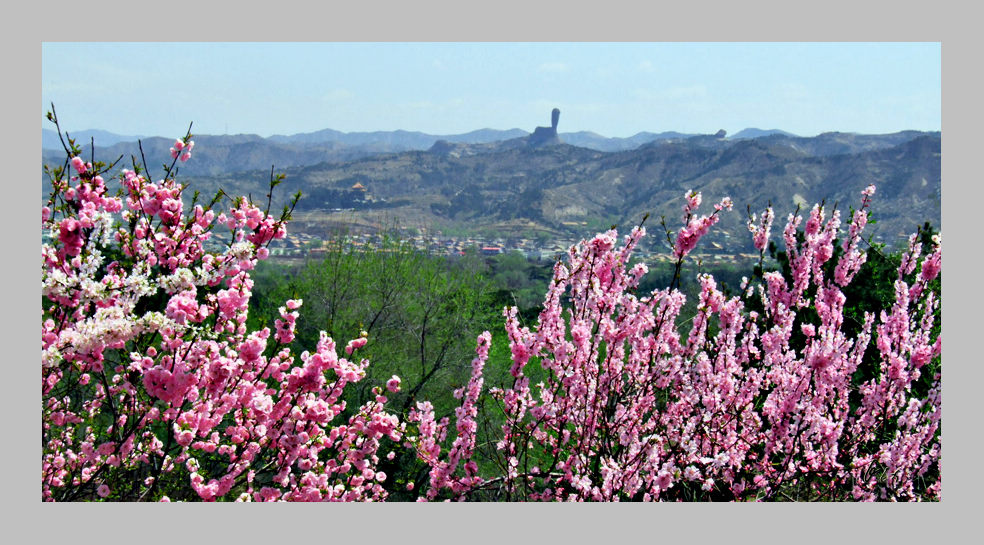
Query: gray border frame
(505, 20)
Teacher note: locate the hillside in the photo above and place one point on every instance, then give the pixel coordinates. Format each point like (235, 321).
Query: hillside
(513, 188)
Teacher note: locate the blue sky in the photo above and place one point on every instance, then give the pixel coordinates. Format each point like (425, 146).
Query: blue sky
(614, 89)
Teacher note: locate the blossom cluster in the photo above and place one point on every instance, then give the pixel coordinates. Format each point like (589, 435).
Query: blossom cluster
(696, 226)
(763, 395)
(152, 386)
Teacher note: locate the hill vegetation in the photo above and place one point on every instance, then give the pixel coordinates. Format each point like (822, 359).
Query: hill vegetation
(516, 190)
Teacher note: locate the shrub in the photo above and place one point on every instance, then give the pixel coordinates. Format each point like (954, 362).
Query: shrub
(631, 408)
(152, 387)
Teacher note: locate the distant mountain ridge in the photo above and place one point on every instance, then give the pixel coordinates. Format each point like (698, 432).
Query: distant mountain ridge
(587, 139)
(398, 140)
(219, 154)
(565, 190)
(407, 139)
(49, 138)
(758, 133)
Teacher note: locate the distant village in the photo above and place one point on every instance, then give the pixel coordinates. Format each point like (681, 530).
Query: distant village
(300, 246)
(304, 245)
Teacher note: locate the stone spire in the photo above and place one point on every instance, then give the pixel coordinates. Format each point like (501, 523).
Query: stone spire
(543, 136)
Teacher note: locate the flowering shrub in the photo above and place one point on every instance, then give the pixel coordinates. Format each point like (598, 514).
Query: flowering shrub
(153, 389)
(748, 404)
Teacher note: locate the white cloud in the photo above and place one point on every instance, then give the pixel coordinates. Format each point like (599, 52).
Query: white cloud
(445, 105)
(553, 67)
(680, 92)
(646, 66)
(101, 80)
(688, 92)
(337, 95)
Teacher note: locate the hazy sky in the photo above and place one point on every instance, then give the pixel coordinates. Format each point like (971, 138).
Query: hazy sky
(614, 89)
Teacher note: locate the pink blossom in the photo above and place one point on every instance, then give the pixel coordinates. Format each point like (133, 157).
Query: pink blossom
(761, 231)
(71, 236)
(393, 384)
(79, 165)
(355, 344)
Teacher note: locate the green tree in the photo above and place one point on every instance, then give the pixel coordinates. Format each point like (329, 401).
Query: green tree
(422, 313)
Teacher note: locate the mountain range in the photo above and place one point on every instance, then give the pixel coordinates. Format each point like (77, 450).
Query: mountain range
(363, 143)
(401, 140)
(499, 182)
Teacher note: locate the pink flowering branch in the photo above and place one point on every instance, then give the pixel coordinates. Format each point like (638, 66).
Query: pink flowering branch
(152, 385)
(737, 408)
